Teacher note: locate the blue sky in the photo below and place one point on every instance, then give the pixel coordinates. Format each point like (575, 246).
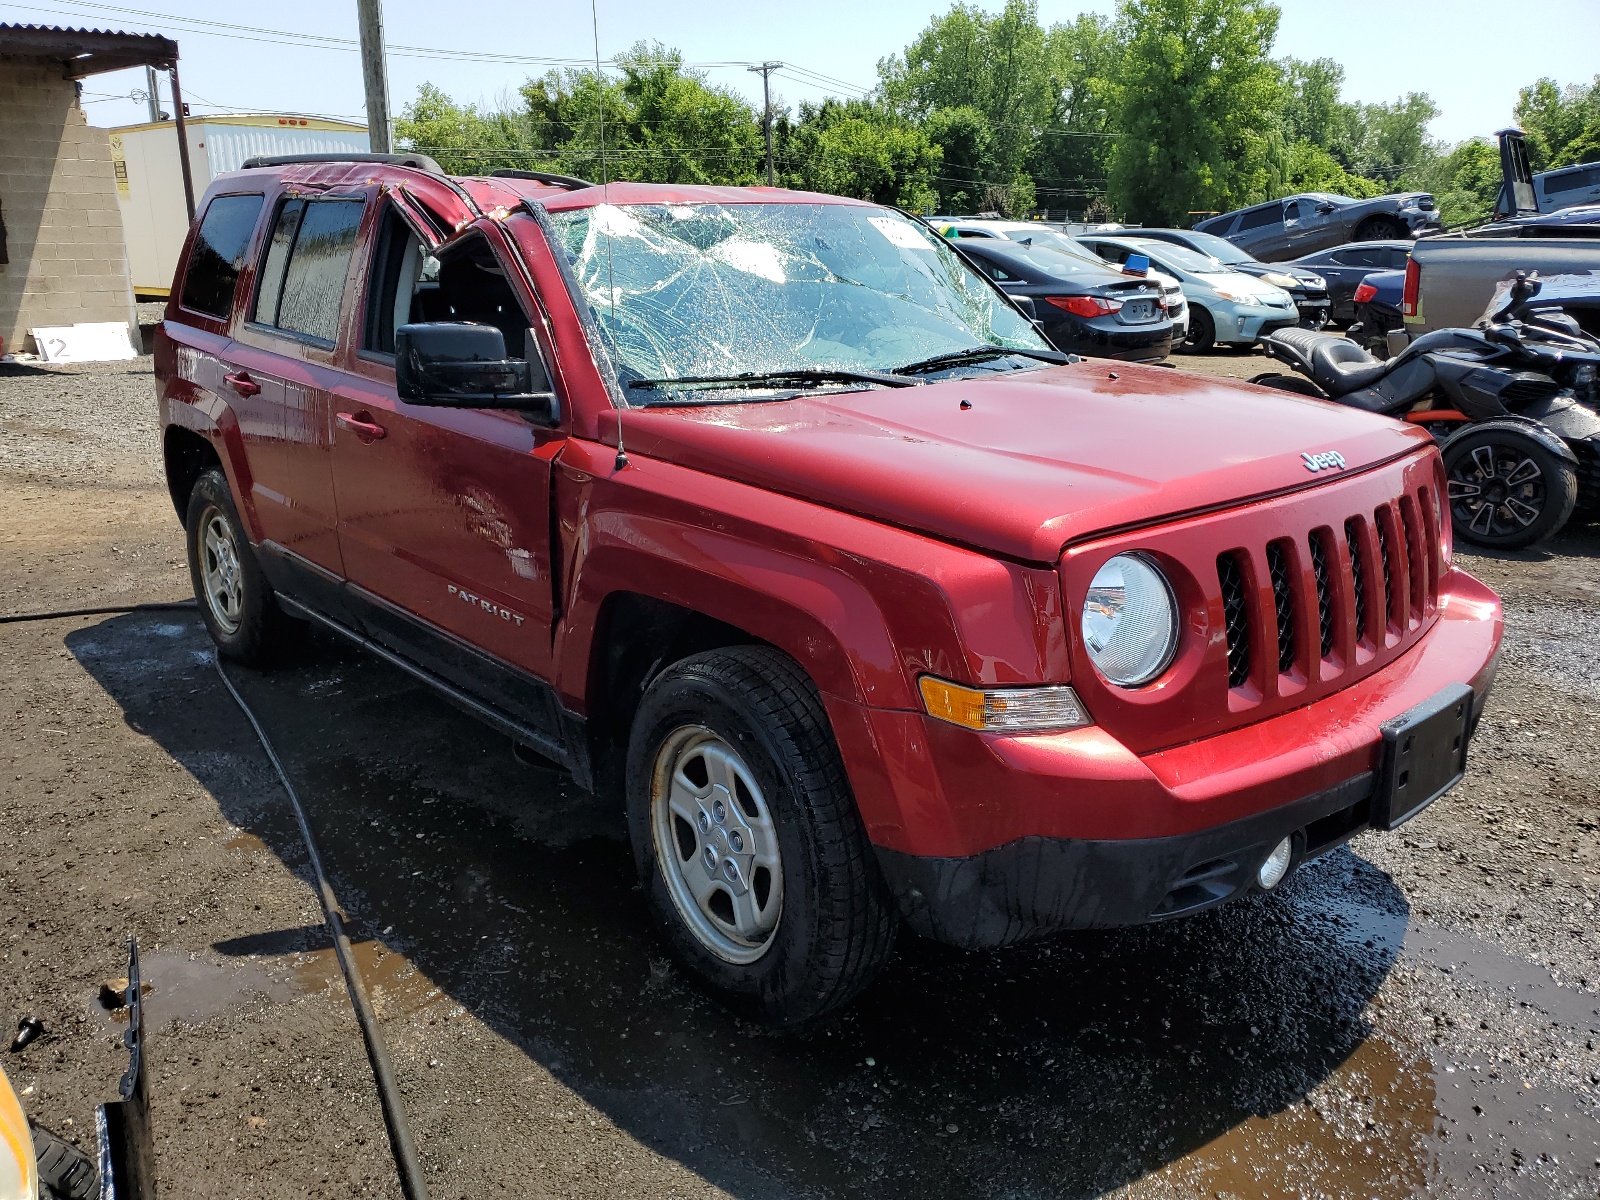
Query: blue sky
(1469, 55)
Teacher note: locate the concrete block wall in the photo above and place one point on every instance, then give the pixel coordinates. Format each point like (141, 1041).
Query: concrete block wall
(58, 198)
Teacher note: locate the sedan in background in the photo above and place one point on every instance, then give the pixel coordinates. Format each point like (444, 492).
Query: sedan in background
(1295, 226)
(1344, 267)
(1037, 233)
(1310, 290)
(1083, 306)
(1225, 305)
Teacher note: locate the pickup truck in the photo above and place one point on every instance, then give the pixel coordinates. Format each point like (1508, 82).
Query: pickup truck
(1450, 279)
(772, 520)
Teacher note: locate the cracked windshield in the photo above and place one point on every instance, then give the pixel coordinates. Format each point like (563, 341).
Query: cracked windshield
(709, 291)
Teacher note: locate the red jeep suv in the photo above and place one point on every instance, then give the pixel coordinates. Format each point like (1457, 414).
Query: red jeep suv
(765, 513)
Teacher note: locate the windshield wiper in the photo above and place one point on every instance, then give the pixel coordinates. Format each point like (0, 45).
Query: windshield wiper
(801, 375)
(978, 354)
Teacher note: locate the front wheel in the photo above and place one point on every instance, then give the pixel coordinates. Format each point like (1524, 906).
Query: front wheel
(1202, 331)
(1507, 490)
(750, 850)
(1380, 229)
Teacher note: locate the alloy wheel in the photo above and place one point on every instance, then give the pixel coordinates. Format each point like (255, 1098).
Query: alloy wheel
(716, 842)
(1496, 490)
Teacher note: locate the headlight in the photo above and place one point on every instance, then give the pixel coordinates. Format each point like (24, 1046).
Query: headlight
(1130, 621)
(1315, 281)
(1283, 281)
(1002, 710)
(1241, 297)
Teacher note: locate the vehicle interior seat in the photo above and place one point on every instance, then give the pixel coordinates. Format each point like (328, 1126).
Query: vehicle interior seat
(1336, 364)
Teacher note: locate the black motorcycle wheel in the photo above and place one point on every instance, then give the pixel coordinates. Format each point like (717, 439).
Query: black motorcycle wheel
(1297, 384)
(1507, 491)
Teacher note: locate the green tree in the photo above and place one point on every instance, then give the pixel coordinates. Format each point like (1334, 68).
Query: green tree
(1562, 124)
(1464, 181)
(1394, 146)
(1073, 150)
(861, 149)
(1196, 99)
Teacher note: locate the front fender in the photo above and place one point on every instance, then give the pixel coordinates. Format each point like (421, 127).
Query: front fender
(1565, 417)
(864, 607)
(1540, 433)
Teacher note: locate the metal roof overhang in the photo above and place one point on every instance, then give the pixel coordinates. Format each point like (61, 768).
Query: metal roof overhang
(84, 52)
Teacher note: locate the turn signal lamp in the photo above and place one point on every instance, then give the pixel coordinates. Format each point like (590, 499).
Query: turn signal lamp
(1365, 292)
(1413, 285)
(1003, 710)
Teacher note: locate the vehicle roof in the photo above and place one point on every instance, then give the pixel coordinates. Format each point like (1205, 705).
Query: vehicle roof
(490, 191)
(1378, 243)
(1014, 252)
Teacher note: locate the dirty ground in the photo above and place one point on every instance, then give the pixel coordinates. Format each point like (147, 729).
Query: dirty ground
(1415, 1014)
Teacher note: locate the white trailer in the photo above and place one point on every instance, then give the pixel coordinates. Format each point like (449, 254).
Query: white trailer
(149, 178)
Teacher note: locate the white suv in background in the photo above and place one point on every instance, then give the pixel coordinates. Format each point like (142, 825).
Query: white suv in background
(1036, 233)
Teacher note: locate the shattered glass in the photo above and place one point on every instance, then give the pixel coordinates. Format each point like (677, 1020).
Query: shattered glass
(695, 290)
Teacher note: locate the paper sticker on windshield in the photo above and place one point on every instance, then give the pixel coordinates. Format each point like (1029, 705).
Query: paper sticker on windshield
(900, 233)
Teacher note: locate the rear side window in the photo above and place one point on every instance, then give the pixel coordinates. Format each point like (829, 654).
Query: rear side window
(303, 271)
(1257, 218)
(217, 255)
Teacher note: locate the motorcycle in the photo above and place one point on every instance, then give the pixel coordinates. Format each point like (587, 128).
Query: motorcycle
(1514, 405)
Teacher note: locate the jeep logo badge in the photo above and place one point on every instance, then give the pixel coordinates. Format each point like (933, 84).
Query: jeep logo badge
(1328, 460)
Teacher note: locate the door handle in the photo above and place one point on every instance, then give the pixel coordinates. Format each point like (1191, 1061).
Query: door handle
(362, 425)
(243, 384)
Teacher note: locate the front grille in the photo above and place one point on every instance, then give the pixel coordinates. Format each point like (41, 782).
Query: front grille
(1235, 618)
(1358, 574)
(1402, 538)
(1283, 602)
(1381, 524)
(1319, 569)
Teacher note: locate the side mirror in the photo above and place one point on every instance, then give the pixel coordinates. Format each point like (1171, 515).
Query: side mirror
(1326, 208)
(451, 364)
(1025, 304)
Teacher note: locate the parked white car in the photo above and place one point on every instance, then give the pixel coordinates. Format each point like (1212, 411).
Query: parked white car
(1226, 306)
(1035, 233)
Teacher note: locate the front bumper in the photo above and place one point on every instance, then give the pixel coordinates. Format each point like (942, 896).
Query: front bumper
(1314, 312)
(987, 839)
(1248, 323)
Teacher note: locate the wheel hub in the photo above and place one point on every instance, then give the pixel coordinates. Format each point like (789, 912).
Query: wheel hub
(717, 844)
(221, 570)
(1496, 491)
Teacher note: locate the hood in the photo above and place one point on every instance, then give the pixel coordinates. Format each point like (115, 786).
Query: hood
(1304, 276)
(1040, 459)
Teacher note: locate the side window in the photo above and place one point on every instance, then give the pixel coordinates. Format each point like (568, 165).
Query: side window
(1397, 258)
(1366, 258)
(304, 269)
(471, 286)
(403, 287)
(218, 253)
(1259, 218)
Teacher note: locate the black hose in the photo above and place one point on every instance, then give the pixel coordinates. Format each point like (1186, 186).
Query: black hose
(59, 613)
(394, 1117)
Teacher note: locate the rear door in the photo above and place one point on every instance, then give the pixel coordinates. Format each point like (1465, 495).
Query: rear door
(284, 370)
(444, 514)
(1261, 231)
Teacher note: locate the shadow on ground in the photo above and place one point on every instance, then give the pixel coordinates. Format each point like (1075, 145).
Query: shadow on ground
(1061, 1069)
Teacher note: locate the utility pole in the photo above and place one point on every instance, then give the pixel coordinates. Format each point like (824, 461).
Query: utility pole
(155, 96)
(374, 74)
(765, 70)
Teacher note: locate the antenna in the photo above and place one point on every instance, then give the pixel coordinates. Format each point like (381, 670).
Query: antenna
(605, 199)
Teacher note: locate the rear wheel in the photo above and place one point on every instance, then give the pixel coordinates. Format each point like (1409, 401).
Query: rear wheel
(750, 850)
(1380, 229)
(1202, 331)
(1507, 490)
(236, 602)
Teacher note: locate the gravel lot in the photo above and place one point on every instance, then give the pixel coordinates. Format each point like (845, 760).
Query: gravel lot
(1415, 1014)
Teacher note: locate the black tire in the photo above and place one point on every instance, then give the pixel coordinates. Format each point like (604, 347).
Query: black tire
(250, 628)
(1508, 490)
(65, 1172)
(1202, 333)
(1380, 229)
(1297, 384)
(836, 922)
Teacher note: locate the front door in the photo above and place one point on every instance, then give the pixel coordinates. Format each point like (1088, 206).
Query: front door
(281, 373)
(444, 514)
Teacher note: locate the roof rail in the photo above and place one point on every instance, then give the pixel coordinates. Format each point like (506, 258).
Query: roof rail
(420, 161)
(566, 181)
